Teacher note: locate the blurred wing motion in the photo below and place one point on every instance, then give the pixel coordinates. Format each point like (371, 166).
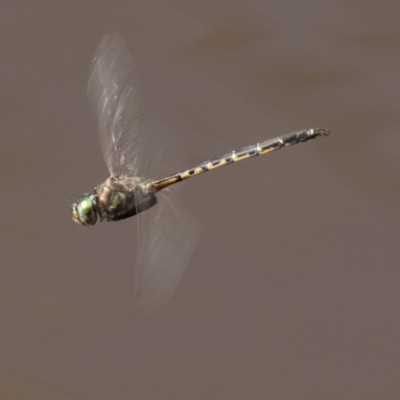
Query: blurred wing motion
(113, 90)
(167, 238)
(166, 233)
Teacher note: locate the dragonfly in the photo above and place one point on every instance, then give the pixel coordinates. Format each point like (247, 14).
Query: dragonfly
(167, 234)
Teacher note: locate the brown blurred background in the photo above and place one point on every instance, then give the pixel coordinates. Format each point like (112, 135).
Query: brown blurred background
(293, 290)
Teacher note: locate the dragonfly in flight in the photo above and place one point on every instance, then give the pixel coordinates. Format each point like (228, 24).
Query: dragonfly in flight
(167, 234)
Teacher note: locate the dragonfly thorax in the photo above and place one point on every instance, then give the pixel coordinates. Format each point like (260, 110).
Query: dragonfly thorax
(115, 199)
(121, 197)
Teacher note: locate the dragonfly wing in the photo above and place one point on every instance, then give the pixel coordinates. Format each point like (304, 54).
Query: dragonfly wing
(167, 236)
(113, 90)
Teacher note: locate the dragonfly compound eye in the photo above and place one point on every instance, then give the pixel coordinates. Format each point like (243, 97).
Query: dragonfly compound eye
(83, 211)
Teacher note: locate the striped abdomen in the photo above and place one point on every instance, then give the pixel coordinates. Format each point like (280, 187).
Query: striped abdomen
(242, 154)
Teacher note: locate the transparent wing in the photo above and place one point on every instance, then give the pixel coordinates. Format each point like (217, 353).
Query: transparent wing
(113, 90)
(167, 236)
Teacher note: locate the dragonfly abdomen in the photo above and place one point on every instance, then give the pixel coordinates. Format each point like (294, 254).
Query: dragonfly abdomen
(242, 154)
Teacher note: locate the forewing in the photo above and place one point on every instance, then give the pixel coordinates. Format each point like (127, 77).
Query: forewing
(167, 236)
(113, 90)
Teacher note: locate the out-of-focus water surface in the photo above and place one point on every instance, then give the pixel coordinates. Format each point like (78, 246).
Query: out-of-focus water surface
(293, 288)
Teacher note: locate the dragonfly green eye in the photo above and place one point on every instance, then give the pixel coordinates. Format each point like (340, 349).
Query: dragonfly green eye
(83, 211)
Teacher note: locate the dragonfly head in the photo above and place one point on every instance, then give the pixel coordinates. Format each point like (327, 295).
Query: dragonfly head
(84, 210)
